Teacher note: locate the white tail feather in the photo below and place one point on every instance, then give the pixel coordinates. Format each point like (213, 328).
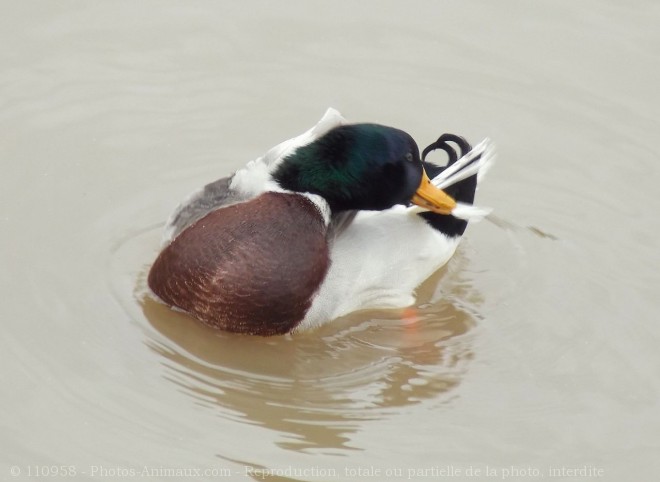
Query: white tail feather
(477, 161)
(470, 212)
(467, 165)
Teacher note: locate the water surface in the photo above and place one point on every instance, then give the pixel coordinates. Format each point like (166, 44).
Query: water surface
(534, 352)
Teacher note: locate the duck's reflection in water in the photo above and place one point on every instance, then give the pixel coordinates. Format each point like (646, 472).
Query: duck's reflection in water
(317, 388)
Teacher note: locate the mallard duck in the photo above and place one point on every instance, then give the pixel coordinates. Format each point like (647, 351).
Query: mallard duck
(341, 218)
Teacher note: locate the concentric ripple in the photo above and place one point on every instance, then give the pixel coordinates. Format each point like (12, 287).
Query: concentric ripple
(315, 388)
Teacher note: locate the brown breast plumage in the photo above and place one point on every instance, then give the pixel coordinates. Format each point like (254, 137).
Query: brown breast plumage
(250, 268)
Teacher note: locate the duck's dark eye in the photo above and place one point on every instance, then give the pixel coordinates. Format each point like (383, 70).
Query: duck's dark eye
(409, 157)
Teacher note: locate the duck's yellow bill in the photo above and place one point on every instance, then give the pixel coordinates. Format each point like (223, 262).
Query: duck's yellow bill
(430, 197)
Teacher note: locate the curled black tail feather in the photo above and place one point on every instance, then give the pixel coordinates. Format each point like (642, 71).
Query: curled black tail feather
(441, 143)
(463, 191)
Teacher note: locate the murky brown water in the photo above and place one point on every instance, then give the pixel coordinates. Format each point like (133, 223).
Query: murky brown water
(537, 352)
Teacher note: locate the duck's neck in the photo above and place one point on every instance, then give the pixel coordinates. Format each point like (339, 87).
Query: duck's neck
(313, 169)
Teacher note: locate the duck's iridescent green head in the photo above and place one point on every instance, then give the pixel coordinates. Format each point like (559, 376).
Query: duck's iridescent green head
(360, 166)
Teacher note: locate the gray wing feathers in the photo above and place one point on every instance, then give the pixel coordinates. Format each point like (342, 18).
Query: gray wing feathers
(201, 202)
